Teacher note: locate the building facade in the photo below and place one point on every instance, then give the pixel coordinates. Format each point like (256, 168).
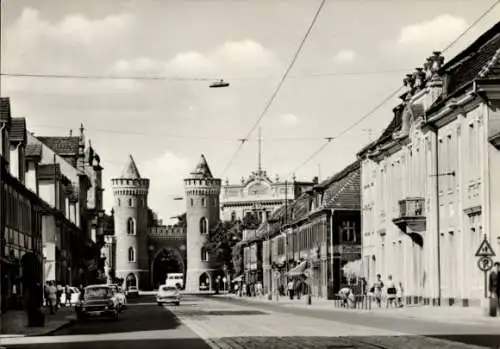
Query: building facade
(319, 231)
(430, 187)
(202, 215)
(131, 226)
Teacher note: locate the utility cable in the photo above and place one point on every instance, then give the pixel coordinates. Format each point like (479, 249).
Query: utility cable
(280, 84)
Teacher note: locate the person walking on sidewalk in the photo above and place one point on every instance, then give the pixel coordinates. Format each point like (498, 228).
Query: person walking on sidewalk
(391, 292)
(52, 297)
(67, 291)
(290, 286)
(494, 284)
(378, 285)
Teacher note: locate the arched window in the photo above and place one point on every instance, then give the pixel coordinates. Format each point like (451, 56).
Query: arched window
(130, 226)
(204, 255)
(119, 202)
(131, 254)
(233, 216)
(192, 202)
(203, 225)
(203, 202)
(130, 202)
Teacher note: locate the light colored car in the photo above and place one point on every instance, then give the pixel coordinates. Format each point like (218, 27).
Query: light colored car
(98, 300)
(75, 296)
(120, 295)
(168, 294)
(132, 291)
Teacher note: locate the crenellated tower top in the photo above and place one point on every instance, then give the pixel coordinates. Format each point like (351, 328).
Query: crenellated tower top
(201, 181)
(130, 181)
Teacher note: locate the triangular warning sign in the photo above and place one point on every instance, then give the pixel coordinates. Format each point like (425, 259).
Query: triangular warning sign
(485, 250)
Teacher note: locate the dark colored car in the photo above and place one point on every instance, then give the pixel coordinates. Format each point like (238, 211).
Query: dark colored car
(98, 300)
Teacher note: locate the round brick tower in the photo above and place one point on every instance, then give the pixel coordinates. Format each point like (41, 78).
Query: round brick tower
(131, 222)
(202, 201)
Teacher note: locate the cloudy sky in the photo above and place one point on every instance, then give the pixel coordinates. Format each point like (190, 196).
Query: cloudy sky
(356, 55)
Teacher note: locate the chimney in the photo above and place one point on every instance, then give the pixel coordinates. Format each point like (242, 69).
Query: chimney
(315, 180)
(71, 133)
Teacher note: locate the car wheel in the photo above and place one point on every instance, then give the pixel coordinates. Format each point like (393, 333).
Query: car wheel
(176, 303)
(159, 304)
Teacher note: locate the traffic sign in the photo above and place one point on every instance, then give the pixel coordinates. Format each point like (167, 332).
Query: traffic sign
(485, 249)
(485, 263)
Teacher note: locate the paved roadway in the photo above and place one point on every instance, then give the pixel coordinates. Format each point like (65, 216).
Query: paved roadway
(204, 322)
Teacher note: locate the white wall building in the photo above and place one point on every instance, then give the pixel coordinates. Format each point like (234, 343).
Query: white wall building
(430, 184)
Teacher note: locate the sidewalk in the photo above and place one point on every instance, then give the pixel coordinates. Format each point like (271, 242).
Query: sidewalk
(14, 323)
(462, 315)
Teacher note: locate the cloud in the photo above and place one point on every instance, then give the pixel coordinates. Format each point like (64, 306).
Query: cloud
(242, 58)
(345, 56)
(166, 173)
(436, 32)
(289, 119)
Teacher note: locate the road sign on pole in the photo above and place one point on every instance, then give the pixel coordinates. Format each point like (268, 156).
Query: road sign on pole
(485, 249)
(485, 264)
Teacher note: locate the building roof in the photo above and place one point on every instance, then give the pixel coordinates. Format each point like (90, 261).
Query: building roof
(5, 115)
(47, 171)
(33, 150)
(345, 194)
(130, 170)
(18, 130)
(63, 146)
(480, 60)
(202, 170)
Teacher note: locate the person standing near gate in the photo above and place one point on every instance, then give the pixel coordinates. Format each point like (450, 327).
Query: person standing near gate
(494, 284)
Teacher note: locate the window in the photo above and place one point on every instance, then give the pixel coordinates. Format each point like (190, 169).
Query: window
(203, 202)
(233, 216)
(130, 226)
(131, 254)
(203, 225)
(130, 202)
(348, 231)
(204, 255)
(192, 202)
(119, 202)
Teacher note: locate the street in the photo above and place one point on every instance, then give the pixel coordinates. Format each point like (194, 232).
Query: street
(204, 322)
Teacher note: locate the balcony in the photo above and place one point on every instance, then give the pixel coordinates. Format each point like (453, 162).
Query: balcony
(411, 214)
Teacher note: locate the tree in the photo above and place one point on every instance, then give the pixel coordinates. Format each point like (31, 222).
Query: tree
(221, 242)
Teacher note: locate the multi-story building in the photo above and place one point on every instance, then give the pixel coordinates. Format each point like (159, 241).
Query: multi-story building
(430, 191)
(319, 231)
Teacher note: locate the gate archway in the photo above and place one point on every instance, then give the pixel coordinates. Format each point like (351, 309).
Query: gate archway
(166, 260)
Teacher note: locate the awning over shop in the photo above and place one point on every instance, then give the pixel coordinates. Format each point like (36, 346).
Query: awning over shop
(298, 270)
(238, 278)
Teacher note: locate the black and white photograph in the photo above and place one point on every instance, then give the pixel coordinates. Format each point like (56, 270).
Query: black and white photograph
(247, 174)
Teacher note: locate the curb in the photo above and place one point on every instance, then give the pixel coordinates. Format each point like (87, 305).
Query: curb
(52, 331)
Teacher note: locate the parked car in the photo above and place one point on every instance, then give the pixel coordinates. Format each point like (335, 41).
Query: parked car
(75, 296)
(98, 300)
(168, 294)
(132, 291)
(120, 295)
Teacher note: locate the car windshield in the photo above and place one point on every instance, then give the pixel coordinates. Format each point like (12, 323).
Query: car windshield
(168, 288)
(98, 292)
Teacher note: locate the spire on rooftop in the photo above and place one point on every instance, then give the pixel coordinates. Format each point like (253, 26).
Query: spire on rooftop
(130, 171)
(202, 170)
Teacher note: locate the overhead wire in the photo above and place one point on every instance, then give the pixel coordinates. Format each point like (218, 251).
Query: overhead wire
(278, 87)
(385, 100)
(185, 78)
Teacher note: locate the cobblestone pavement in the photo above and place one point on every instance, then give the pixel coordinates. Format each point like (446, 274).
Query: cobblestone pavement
(225, 325)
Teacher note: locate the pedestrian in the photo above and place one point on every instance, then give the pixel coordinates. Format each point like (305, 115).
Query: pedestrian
(378, 286)
(494, 285)
(346, 296)
(400, 295)
(291, 287)
(391, 292)
(52, 297)
(67, 291)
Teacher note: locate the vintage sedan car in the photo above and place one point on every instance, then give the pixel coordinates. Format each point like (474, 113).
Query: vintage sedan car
(168, 294)
(120, 295)
(98, 300)
(132, 291)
